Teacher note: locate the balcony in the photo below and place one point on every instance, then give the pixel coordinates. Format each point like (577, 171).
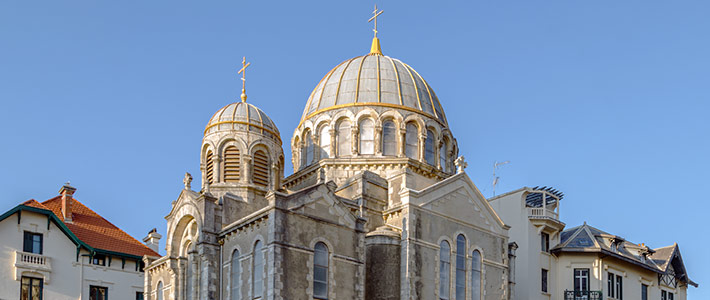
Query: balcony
(542, 213)
(31, 262)
(583, 295)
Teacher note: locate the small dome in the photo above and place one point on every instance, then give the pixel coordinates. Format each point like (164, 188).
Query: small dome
(374, 80)
(243, 116)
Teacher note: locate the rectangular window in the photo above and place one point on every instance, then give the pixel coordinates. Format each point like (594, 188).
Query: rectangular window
(544, 242)
(32, 243)
(544, 280)
(99, 259)
(670, 296)
(31, 288)
(610, 285)
(619, 288)
(139, 295)
(581, 279)
(98, 293)
(644, 292)
(664, 295)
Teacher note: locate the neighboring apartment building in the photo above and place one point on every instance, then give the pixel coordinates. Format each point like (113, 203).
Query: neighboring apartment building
(61, 249)
(582, 263)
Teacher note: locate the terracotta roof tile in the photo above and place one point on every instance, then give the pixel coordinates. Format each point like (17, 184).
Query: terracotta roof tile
(96, 231)
(35, 204)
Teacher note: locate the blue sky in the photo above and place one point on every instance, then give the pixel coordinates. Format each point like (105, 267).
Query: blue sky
(605, 100)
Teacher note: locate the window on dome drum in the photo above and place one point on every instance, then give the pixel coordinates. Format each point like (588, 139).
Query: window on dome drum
(389, 139)
(476, 275)
(320, 271)
(32, 243)
(367, 137)
(98, 293)
(98, 259)
(442, 157)
(460, 267)
(307, 149)
(444, 270)
(261, 168)
(234, 276)
(257, 272)
(429, 154)
(324, 139)
(31, 288)
(543, 277)
(209, 168)
(159, 291)
(344, 148)
(411, 148)
(231, 164)
(544, 242)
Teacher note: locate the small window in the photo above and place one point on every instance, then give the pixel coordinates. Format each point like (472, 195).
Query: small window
(98, 293)
(460, 267)
(664, 295)
(99, 260)
(324, 139)
(544, 242)
(209, 167)
(344, 146)
(258, 271)
(411, 148)
(581, 279)
(307, 149)
(544, 280)
(31, 288)
(610, 285)
(320, 271)
(389, 139)
(232, 163)
(32, 242)
(367, 137)
(619, 288)
(444, 270)
(159, 291)
(476, 275)
(234, 276)
(139, 295)
(644, 292)
(261, 168)
(429, 155)
(442, 157)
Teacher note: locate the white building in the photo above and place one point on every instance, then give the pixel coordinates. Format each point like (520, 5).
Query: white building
(61, 249)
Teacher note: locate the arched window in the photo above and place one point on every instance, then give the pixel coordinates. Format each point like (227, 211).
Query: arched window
(320, 271)
(444, 270)
(324, 139)
(189, 272)
(476, 275)
(344, 148)
(411, 148)
(307, 149)
(442, 156)
(231, 164)
(261, 168)
(389, 138)
(234, 274)
(429, 154)
(159, 291)
(460, 267)
(257, 272)
(209, 167)
(367, 137)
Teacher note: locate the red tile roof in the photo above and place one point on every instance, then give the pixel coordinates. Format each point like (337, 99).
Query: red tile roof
(94, 230)
(35, 204)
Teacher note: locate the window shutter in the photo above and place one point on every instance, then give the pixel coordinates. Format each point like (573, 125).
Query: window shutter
(231, 164)
(261, 169)
(209, 168)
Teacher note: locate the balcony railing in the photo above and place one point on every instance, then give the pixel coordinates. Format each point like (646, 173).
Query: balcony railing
(31, 260)
(583, 295)
(541, 212)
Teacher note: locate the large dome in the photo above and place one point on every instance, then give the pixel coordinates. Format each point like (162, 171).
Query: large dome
(374, 80)
(243, 116)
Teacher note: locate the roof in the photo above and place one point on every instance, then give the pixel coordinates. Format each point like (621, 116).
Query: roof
(374, 80)
(97, 232)
(243, 116)
(585, 238)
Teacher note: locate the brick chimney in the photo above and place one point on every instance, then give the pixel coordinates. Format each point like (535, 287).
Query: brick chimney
(67, 191)
(153, 240)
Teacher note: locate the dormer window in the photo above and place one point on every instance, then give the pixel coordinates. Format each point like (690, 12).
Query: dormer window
(99, 260)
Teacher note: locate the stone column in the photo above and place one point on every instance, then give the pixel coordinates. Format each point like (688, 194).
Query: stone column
(332, 142)
(378, 139)
(355, 140)
(248, 168)
(422, 147)
(316, 147)
(217, 169)
(401, 144)
(276, 177)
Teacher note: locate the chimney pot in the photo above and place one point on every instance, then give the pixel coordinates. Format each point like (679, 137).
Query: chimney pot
(67, 191)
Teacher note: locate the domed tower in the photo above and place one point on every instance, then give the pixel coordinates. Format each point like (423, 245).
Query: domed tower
(374, 113)
(241, 151)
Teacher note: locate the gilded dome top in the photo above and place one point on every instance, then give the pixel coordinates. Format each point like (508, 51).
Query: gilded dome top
(243, 116)
(374, 80)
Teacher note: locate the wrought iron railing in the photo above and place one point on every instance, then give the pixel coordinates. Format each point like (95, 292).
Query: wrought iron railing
(583, 295)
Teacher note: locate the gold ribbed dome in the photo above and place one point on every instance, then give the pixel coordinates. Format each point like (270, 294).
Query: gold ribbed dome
(374, 80)
(243, 116)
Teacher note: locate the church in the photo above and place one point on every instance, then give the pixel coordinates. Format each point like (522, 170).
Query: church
(379, 205)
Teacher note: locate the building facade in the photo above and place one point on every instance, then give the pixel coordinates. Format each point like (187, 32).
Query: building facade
(379, 206)
(61, 249)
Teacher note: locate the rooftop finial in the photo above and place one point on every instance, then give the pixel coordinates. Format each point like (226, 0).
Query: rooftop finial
(243, 71)
(375, 48)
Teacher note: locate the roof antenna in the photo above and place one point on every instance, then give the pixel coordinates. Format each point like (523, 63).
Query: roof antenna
(496, 179)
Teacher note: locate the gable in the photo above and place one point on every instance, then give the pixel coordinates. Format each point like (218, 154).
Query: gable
(321, 203)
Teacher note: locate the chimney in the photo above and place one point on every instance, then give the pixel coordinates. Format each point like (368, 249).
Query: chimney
(67, 191)
(153, 240)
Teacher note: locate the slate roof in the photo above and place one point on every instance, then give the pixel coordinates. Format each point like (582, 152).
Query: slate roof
(585, 238)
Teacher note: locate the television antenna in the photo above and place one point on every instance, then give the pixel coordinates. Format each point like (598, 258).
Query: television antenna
(496, 178)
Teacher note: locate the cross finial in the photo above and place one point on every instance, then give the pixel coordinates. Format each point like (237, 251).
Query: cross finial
(243, 71)
(374, 17)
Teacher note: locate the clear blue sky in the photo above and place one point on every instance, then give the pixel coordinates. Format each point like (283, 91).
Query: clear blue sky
(605, 100)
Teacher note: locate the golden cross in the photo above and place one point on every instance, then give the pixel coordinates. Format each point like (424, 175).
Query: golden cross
(243, 71)
(375, 13)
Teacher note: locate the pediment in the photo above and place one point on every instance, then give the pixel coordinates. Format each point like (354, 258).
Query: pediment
(321, 203)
